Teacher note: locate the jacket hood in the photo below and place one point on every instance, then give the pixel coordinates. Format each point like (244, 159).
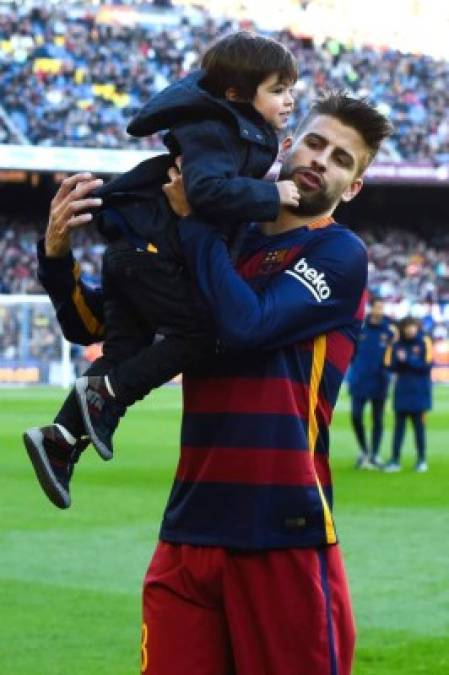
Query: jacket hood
(186, 101)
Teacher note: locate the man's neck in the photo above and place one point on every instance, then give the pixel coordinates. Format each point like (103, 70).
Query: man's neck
(287, 221)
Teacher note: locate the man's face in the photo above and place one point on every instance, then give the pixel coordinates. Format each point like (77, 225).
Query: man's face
(325, 162)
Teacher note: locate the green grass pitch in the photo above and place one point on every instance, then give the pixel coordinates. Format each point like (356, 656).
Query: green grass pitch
(70, 581)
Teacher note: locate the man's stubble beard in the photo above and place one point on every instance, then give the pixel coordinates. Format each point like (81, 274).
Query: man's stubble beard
(313, 202)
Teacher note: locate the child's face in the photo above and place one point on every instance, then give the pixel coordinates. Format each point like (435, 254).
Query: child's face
(410, 331)
(274, 100)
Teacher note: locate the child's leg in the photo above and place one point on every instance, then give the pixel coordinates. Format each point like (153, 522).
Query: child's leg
(134, 378)
(69, 415)
(157, 293)
(161, 292)
(420, 436)
(398, 436)
(124, 335)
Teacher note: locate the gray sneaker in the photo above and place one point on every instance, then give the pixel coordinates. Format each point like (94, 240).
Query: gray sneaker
(53, 459)
(362, 461)
(101, 414)
(376, 463)
(392, 467)
(421, 467)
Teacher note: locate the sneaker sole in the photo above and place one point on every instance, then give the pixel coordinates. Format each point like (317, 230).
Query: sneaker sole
(100, 447)
(33, 440)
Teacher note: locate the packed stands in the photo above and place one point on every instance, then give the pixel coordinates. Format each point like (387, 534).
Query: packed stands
(66, 79)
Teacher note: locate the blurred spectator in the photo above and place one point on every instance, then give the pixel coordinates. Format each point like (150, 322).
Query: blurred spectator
(402, 266)
(18, 266)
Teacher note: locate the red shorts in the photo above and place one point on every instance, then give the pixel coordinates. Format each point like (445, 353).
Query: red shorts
(212, 611)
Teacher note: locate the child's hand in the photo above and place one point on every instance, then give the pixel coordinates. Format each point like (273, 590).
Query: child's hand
(175, 193)
(288, 193)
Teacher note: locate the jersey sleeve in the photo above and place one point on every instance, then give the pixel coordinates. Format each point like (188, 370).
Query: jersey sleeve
(321, 291)
(210, 171)
(79, 308)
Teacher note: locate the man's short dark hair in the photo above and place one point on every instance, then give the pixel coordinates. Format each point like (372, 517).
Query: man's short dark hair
(353, 112)
(243, 61)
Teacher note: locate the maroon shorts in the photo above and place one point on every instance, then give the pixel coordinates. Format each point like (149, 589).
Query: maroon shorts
(213, 611)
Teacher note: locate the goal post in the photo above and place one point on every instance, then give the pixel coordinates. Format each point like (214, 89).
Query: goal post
(32, 347)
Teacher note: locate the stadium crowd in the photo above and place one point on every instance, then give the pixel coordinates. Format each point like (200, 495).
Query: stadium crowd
(404, 266)
(18, 267)
(66, 79)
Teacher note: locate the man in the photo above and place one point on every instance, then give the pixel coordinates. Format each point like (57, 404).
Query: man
(248, 578)
(410, 357)
(368, 381)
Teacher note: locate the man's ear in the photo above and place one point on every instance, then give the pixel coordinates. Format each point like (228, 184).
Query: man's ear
(286, 144)
(352, 190)
(284, 147)
(231, 94)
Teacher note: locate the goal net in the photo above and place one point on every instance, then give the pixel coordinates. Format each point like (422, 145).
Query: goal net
(32, 347)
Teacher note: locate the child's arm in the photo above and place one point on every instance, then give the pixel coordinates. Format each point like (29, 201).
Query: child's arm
(402, 360)
(211, 154)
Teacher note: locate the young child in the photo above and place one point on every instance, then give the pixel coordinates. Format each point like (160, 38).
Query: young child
(223, 120)
(411, 359)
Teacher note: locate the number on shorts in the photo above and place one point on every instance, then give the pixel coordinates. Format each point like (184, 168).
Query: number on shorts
(144, 647)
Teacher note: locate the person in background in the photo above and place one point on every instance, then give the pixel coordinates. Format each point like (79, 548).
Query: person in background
(368, 382)
(411, 359)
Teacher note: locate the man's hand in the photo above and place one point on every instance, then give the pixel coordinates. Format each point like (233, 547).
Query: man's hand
(68, 211)
(175, 193)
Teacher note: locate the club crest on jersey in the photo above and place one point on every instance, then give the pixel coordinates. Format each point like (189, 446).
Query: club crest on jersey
(313, 280)
(272, 260)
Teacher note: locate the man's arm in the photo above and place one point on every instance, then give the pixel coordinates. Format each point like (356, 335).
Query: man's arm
(319, 292)
(291, 307)
(78, 307)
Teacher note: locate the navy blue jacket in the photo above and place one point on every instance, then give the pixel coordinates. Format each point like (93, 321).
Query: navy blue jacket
(135, 207)
(226, 148)
(368, 377)
(413, 387)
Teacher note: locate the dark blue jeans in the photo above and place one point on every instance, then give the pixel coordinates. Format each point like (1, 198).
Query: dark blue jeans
(144, 294)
